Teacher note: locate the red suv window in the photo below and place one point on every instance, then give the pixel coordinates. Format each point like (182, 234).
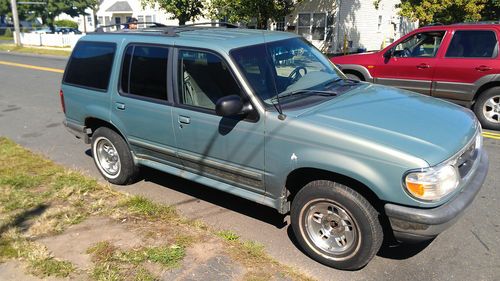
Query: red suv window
(473, 44)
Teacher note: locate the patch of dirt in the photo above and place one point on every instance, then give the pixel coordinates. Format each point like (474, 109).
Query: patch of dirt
(72, 245)
(206, 261)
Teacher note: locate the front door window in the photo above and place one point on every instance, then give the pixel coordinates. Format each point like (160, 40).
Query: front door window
(424, 44)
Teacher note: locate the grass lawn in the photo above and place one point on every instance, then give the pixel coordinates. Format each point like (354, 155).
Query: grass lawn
(31, 50)
(40, 199)
(3, 37)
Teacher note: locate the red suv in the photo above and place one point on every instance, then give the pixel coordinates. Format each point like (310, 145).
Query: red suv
(458, 63)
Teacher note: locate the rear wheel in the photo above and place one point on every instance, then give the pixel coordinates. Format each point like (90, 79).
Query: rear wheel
(487, 108)
(113, 157)
(335, 225)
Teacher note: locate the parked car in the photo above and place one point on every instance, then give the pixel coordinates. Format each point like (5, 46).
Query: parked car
(67, 30)
(265, 116)
(458, 63)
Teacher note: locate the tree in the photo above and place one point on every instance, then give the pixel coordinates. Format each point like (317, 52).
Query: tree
(247, 10)
(444, 11)
(182, 10)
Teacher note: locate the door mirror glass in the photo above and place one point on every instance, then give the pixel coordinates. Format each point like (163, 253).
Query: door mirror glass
(229, 106)
(389, 53)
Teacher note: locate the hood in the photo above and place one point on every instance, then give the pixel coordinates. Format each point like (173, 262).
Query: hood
(424, 127)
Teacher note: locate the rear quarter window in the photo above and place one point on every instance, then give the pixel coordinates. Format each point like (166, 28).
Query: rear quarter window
(90, 65)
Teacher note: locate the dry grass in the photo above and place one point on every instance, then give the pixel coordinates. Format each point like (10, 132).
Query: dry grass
(39, 198)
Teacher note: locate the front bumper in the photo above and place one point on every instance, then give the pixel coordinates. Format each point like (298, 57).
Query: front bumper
(415, 225)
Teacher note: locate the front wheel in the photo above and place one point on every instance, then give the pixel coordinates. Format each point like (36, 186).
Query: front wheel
(487, 108)
(113, 157)
(335, 225)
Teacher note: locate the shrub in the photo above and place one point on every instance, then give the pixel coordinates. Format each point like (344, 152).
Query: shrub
(8, 32)
(66, 23)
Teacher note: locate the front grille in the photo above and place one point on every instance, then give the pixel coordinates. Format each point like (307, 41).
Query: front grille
(466, 160)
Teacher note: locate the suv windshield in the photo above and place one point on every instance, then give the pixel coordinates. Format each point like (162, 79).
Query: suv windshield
(284, 67)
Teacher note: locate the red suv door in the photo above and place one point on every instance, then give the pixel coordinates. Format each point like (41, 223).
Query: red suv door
(410, 64)
(470, 55)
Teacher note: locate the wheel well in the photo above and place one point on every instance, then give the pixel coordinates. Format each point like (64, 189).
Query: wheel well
(355, 72)
(485, 87)
(300, 177)
(94, 123)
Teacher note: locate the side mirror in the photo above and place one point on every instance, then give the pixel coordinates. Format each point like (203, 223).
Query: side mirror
(230, 106)
(389, 54)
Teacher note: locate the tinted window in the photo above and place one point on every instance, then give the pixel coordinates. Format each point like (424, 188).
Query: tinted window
(204, 78)
(473, 44)
(90, 65)
(144, 72)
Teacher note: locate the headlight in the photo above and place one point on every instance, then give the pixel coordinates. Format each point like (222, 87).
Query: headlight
(433, 183)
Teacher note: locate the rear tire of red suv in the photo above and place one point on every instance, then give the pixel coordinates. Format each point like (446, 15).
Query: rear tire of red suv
(487, 108)
(113, 157)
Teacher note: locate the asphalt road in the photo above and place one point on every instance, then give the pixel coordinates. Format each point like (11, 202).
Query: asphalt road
(30, 114)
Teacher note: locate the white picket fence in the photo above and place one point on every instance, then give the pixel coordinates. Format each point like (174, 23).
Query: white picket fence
(50, 40)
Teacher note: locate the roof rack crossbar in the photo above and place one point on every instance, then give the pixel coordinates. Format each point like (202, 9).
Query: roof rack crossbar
(102, 27)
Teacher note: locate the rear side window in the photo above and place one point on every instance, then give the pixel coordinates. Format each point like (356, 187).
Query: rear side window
(473, 44)
(90, 65)
(144, 72)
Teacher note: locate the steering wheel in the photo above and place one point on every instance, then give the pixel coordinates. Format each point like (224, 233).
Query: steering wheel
(406, 53)
(296, 75)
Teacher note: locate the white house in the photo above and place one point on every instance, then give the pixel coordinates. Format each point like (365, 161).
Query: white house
(336, 26)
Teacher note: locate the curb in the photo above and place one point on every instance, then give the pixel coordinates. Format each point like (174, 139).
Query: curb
(34, 55)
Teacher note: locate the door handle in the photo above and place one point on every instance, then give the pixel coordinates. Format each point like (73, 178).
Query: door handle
(120, 106)
(483, 68)
(184, 119)
(423, 66)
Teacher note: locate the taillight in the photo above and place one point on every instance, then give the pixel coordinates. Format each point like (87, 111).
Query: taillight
(61, 95)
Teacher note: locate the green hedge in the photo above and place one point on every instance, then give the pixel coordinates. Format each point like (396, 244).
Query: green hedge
(66, 23)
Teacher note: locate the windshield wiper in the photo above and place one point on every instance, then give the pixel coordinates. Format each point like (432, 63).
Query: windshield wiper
(305, 92)
(335, 81)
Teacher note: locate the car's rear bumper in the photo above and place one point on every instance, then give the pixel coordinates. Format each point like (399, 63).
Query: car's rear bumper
(415, 224)
(78, 130)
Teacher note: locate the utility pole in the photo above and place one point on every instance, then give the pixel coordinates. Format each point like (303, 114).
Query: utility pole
(15, 16)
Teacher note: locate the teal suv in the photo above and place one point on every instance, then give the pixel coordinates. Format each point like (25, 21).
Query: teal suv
(265, 116)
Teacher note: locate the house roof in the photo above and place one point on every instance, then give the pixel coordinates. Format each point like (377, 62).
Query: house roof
(120, 6)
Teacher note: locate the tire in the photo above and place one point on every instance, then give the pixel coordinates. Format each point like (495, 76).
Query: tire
(487, 108)
(112, 157)
(335, 225)
(354, 76)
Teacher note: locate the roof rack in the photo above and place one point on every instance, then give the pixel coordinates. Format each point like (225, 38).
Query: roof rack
(119, 25)
(169, 30)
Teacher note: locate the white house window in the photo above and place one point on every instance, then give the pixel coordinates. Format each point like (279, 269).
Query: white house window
(304, 26)
(89, 20)
(280, 25)
(141, 19)
(379, 23)
(319, 26)
(312, 25)
(149, 19)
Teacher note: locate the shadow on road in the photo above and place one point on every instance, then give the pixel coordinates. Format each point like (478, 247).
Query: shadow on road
(390, 248)
(216, 197)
